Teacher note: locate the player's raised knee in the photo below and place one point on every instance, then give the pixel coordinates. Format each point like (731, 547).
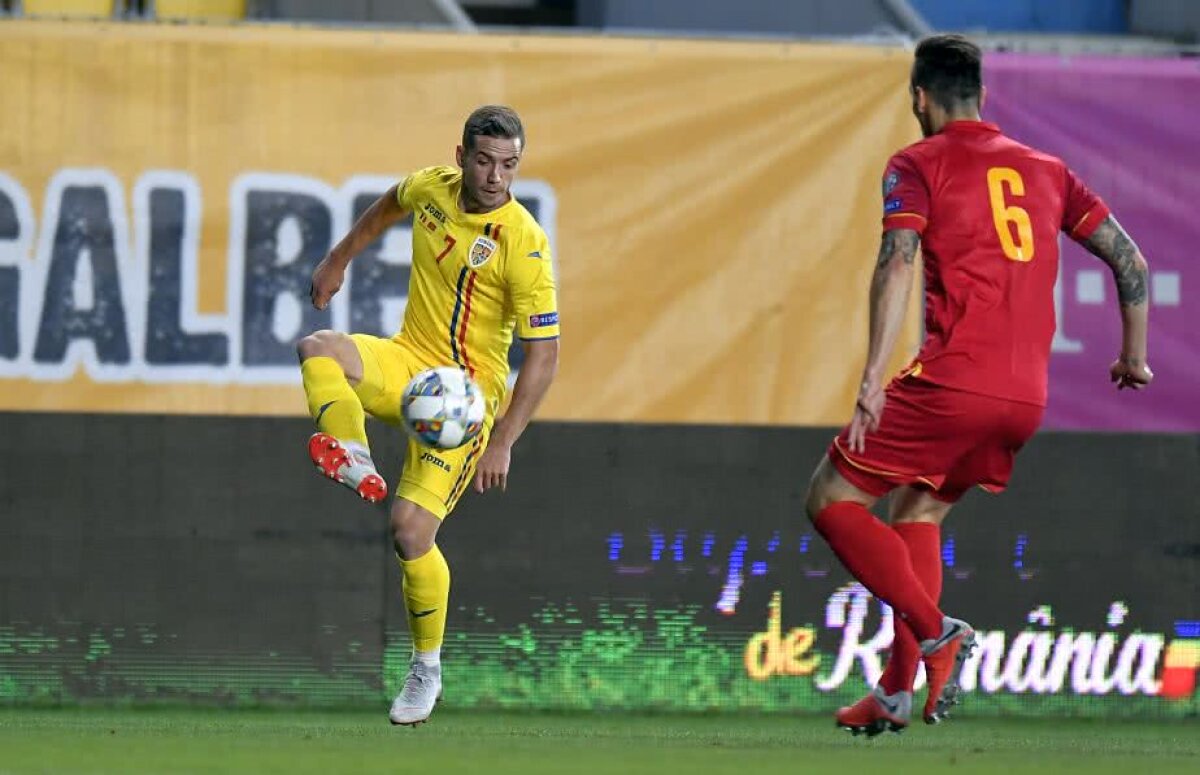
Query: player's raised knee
(317, 344)
(332, 344)
(814, 501)
(818, 495)
(827, 487)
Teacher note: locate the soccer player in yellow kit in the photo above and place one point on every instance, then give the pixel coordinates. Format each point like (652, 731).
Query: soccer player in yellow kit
(481, 269)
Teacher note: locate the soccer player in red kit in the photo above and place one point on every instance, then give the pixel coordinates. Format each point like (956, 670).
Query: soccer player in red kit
(986, 212)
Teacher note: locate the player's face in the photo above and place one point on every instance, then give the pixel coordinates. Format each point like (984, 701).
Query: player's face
(920, 109)
(489, 166)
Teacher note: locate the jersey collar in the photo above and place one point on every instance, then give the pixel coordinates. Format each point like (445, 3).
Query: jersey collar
(967, 125)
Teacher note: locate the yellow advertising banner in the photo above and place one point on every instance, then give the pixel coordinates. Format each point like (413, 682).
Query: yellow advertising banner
(166, 190)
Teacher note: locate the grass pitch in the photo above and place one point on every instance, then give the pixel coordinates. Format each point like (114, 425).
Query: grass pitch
(143, 740)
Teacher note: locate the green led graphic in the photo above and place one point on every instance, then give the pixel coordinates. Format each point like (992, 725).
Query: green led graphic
(598, 654)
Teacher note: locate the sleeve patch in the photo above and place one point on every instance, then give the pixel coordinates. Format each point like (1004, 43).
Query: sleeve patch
(890, 182)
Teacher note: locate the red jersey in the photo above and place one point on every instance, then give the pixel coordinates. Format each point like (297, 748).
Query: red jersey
(989, 211)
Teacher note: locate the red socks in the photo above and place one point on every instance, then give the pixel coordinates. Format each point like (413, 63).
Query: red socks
(877, 556)
(924, 542)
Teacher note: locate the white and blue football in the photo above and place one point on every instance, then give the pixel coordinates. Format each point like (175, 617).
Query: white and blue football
(443, 408)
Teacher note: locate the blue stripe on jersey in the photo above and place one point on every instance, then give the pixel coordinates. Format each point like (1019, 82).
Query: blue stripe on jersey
(458, 302)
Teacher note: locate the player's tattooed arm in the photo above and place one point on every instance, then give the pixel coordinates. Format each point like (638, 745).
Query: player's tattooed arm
(1112, 245)
(890, 288)
(897, 244)
(891, 285)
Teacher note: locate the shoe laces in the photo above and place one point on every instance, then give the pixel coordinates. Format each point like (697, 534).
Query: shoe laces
(416, 683)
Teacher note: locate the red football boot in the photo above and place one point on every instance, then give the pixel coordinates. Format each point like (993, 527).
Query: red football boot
(347, 465)
(944, 659)
(876, 713)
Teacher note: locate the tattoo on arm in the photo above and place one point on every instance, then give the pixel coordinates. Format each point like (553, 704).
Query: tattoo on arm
(1112, 245)
(900, 243)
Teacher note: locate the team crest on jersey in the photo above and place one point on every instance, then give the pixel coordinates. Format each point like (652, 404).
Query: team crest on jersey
(481, 250)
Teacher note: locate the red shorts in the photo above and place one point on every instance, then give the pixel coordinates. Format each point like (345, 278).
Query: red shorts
(938, 439)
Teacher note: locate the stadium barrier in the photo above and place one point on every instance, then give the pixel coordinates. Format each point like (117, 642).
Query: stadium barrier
(649, 567)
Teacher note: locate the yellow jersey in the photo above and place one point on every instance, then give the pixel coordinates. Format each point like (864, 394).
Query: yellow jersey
(476, 278)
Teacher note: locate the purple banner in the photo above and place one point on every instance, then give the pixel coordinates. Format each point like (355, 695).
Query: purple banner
(1130, 128)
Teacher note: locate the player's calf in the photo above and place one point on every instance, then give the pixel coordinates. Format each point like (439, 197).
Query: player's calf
(347, 464)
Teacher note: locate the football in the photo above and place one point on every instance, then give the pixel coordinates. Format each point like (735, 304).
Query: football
(442, 408)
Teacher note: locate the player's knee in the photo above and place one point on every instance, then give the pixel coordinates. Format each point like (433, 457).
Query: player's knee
(411, 543)
(828, 487)
(316, 345)
(819, 495)
(412, 535)
(815, 501)
(336, 345)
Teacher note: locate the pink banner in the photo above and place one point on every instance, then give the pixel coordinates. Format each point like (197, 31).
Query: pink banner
(1128, 127)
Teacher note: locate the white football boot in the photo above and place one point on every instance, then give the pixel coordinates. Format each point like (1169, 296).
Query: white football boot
(422, 689)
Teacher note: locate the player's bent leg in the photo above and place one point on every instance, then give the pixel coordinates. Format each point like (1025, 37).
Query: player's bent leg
(916, 517)
(869, 549)
(917, 514)
(331, 364)
(838, 508)
(425, 583)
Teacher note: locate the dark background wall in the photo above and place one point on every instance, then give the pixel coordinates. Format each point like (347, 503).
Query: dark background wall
(138, 552)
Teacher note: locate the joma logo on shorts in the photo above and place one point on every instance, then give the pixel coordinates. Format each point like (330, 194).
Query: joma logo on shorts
(437, 461)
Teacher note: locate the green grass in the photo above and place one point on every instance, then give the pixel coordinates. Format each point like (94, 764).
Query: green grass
(135, 740)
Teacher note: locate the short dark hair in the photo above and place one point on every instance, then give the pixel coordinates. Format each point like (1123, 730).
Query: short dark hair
(492, 121)
(950, 70)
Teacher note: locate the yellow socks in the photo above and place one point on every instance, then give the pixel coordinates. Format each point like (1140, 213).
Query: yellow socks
(332, 402)
(426, 587)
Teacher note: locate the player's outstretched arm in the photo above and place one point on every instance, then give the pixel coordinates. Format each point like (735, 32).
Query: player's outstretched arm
(890, 288)
(331, 272)
(1112, 245)
(537, 372)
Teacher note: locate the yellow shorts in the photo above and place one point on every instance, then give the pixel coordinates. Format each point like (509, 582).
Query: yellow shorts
(433, 479)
